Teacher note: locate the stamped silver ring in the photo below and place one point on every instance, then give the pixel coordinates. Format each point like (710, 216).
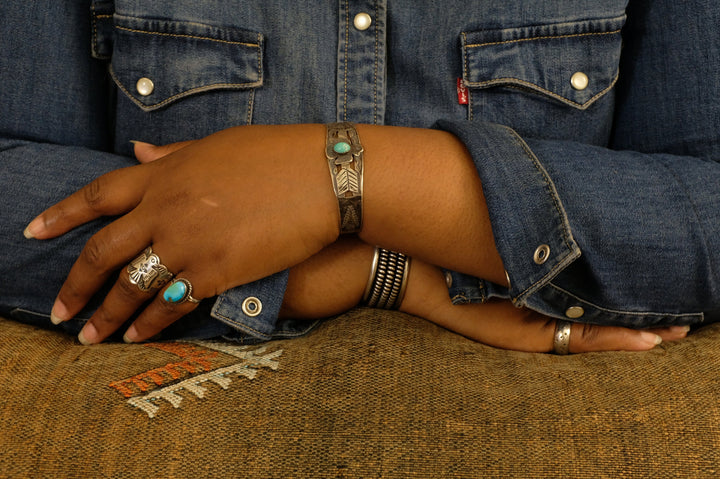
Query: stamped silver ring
(179, 291)
(561, 339)
(147, 272)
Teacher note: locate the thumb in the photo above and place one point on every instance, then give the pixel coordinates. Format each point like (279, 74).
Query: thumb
(147, 152)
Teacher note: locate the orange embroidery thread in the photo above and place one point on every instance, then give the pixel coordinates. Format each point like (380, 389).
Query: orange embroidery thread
(194, 360)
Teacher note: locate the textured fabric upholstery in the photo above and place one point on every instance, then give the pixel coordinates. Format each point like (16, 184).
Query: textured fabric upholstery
(368, 394)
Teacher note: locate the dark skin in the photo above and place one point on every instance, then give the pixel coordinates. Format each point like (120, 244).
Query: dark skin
(218, 192)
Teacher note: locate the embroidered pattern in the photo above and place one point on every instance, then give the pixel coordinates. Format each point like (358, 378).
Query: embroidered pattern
(200, 364)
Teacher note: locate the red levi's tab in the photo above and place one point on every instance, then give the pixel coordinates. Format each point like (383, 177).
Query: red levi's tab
(462, 92)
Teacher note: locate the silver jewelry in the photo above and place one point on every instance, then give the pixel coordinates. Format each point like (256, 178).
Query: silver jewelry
(561, 339)
(388, 280)
(147, 272)
(179, 291)
(345, 160)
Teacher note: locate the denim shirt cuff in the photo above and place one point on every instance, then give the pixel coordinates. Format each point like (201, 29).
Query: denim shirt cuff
(464, 289)
(530, 226)
(252, 311)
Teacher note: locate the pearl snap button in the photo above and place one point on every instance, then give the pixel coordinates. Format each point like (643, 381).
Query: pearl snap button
(574, 312)
(251, 306)
(542, 253)
(145, 86)
(579, 81)
(362, 21)
(448, 279)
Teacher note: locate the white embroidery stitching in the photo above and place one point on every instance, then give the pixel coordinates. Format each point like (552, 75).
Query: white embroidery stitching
(251, 361)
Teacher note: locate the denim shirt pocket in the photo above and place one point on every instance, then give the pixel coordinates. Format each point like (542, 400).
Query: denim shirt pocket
(194, 78)
(542, 79)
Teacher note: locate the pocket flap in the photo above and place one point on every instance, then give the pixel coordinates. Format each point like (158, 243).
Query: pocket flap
(156, 62)
(575, 63)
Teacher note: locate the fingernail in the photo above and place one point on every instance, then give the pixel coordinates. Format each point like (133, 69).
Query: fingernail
(88, 335)
(59, 312)
(32, 229)
(651, 339)
(130, 335)
(681, 329)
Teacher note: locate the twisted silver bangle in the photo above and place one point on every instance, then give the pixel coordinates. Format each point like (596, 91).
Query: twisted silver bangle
(388, 279)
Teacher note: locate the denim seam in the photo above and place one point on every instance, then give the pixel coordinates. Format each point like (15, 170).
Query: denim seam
(538, 88)
(95, 17)
(375, 70)
(465, 75)
(251, 104)
(624, 312)
(544, 37)
(345, 59)
(185, 93)
(195, 37)
(562, 262)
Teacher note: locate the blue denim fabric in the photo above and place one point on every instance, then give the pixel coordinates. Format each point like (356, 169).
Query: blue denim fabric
(632, 235)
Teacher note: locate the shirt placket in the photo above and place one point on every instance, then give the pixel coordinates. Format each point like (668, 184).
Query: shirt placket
(361, 61)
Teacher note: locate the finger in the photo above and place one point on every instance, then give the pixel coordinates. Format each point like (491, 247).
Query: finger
(671, 333)
(113, 193)
(172, 303)
(109, 249)
(120, 304)
(591, 337)
(147, 152)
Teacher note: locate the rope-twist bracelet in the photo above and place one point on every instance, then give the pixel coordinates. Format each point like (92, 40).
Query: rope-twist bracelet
(388, 279)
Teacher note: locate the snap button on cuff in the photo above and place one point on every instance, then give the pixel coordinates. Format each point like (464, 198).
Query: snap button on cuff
(542, 253)
(252, 306)
(362, 21)
(579, 81)
(574, 312)
(145, 86)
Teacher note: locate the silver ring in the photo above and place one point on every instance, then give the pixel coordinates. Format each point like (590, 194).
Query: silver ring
(147, 272)
(179, 291)
(561, 338)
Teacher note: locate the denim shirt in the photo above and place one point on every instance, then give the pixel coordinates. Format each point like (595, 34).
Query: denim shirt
(597, 160)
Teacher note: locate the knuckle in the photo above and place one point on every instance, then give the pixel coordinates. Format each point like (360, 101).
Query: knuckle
(94, 253)
(94, 194)
(103, 319)
(167, 309)
(126, 289)
(589, 333)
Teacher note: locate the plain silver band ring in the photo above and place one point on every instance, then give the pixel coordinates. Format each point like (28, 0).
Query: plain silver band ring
(561, 338)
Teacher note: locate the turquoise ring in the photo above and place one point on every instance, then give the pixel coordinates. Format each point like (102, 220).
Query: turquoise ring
(179, 291)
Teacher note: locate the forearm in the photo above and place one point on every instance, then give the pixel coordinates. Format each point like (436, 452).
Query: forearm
(423, 196)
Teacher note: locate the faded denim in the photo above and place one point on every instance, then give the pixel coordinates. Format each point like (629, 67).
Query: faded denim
(615, 178)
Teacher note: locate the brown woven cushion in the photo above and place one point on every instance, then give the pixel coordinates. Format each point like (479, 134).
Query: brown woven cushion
(369, 394)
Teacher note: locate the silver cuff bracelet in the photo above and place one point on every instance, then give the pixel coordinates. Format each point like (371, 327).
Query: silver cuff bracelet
(345, 160)
(388, 279)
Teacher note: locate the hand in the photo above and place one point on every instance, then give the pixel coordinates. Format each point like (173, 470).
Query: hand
(211, 212)
(501, 324)
(333, 281)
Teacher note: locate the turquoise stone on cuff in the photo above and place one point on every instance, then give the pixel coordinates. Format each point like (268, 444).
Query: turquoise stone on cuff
(175, 292)
(341, 148)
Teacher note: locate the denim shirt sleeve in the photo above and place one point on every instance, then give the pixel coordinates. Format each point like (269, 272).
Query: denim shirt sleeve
(583, 231)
